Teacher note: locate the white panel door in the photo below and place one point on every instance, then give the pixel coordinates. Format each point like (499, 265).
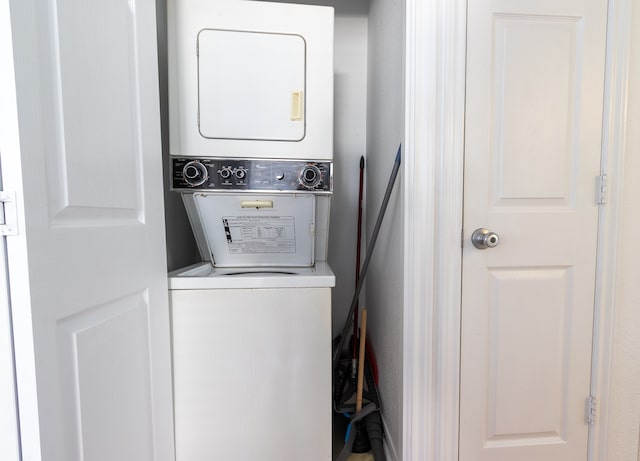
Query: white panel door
(533, 130)
(80, 145)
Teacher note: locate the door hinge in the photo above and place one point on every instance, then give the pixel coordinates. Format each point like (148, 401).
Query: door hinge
(601, 189)
(9, 215)
(590, 410)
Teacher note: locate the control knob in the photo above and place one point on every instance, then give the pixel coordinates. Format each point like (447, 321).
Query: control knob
(225, 172)
(310, 176)
(195, 173)
(240, 173)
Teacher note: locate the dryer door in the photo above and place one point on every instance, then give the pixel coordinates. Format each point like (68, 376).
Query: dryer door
(251, 85)
(243, 230)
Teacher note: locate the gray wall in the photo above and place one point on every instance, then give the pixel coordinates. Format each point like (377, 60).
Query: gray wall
(181, 246)
(385, 129)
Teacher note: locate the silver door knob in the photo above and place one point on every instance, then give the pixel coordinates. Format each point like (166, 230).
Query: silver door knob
(484, 238)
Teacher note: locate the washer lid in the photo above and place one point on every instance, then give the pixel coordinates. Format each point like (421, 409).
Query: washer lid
(245, 230)
(203, 276)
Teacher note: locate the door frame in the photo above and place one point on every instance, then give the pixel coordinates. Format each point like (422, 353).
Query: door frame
(435, 53)
(10, 442)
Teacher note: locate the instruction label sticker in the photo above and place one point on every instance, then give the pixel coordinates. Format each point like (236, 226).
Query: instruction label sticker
(260, 234)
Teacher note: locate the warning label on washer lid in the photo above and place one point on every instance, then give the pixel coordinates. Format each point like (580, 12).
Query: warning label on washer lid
(260, 234)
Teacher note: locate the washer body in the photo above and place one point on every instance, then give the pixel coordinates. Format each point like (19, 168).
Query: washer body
(252, 363)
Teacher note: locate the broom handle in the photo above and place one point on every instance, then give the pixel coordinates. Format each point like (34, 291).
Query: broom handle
(367, 258)
(363, 334)
(354, 360)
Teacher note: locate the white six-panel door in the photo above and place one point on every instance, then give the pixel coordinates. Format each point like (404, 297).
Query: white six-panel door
(81, 147)
(532, 154)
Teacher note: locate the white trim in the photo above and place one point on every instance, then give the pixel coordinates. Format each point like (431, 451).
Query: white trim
(613, 148)
(433, 160)
(418, 179)
(418, 212)
(9, 152)
(449, 198)
(9, 434)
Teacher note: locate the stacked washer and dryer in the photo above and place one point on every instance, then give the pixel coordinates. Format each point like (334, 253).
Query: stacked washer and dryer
(251, 128)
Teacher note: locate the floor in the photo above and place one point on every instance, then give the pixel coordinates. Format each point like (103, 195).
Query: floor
(340, 422)
(360, 457)
(339, 430)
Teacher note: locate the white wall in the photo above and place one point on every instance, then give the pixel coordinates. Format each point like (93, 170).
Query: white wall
(385, 129)
(624, 417)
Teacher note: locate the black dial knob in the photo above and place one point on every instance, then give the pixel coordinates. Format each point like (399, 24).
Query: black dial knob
(240, 173)
(195, 173)
(225, 172)
(310, 176)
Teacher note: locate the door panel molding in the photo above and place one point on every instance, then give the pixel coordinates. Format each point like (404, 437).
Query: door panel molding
(84, 93)
(103, 377)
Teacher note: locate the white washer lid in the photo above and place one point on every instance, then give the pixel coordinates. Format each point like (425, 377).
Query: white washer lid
(204, 276)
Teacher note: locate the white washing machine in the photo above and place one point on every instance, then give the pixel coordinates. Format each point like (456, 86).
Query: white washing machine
(252, 363)
(251, 326)
(251, 125)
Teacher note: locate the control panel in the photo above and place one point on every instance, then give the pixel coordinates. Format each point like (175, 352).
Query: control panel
(220, 174)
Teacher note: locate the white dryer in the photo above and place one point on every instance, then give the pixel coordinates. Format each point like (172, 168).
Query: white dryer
(250, 79)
